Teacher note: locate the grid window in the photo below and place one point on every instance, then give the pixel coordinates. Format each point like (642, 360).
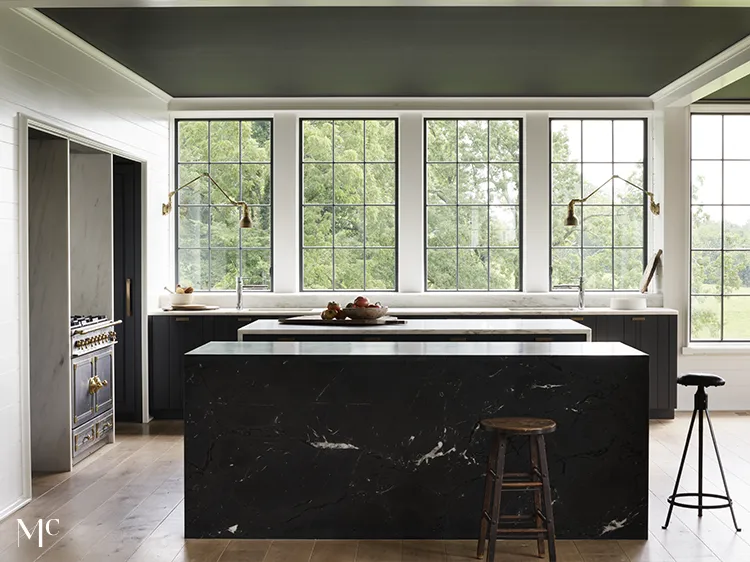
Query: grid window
(720, 231)
(608, 247)
(349, 188)
(211, 248)
(473, 204)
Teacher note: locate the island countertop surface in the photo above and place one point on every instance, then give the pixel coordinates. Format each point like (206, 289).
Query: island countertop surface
(424, 327)
(427, 349)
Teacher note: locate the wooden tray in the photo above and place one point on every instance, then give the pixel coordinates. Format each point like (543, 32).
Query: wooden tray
(192, 307)
(318, 321)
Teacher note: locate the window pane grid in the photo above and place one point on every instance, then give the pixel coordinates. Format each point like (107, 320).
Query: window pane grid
(473, 200)
(348, 174)
(720, 228)
(213, 265)
(584, 153)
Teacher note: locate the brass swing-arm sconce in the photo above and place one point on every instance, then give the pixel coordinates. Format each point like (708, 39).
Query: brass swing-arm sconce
(572, 220)
(245, 221)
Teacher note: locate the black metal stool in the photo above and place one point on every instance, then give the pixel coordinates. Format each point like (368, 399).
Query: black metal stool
(701, 380)
(537, 481)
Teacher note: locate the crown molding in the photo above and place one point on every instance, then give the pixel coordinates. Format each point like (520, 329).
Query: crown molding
(79, 44)
(728, 66)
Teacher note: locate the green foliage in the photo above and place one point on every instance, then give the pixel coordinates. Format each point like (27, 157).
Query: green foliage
(473, 197)
(212, 249)
(349, 211)
(720, 264)
(607, 246)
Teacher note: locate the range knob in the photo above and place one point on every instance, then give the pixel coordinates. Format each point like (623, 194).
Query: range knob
(78, 343)
(112, 336)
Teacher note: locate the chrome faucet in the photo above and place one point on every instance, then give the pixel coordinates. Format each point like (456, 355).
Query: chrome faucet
(581, 292)
(240, 286)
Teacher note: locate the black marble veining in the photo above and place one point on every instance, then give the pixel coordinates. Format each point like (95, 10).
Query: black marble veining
(384, 446)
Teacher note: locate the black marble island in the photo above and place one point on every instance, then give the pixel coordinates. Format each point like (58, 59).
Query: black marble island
(380, 439)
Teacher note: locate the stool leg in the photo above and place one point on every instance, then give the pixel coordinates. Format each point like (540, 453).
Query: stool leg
(542, 450)
(700, 463)
(721, 469)
(537, 496)
(679, 472)
(488, 487)
(495, 521)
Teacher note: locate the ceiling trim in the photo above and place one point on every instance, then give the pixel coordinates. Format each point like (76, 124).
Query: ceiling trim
(716, 73)
(405, 104)
(77, 43)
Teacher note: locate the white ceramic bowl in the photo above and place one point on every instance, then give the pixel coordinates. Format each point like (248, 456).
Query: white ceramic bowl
(181, 298)
(365, 313)
(627, 303)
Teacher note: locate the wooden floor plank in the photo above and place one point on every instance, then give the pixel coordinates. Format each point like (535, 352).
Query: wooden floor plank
(125, 504)
(334, 551)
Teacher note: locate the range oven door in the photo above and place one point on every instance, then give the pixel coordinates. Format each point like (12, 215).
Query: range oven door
(83, 399)
(104, 369)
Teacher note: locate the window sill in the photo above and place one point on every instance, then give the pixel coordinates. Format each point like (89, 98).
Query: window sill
(717, 349)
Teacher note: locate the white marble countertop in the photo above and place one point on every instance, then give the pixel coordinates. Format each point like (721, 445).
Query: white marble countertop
(441, 349)
(417, 327)
(426, 311)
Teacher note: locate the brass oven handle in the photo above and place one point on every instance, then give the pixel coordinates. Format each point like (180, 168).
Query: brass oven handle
(128, 298)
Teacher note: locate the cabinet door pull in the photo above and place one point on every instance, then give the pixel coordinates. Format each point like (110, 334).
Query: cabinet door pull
(638, 318)
(543, 339)
(182, 319)
(577, 318)
(128, 297)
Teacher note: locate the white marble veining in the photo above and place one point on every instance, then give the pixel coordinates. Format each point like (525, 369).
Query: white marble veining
(424, 327)
(49, 303)
(261, 312)
(91, 251)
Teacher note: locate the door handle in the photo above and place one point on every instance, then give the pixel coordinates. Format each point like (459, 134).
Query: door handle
(128, 297)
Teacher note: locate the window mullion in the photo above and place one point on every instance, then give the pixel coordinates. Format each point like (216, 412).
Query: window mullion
(411, 216)
(286, 213)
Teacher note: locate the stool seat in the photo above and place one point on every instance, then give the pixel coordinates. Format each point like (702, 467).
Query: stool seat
(700, 379)
(519, 426)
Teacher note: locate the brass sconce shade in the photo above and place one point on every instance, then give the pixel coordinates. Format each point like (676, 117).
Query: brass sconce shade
(572, 220)
(245, 221)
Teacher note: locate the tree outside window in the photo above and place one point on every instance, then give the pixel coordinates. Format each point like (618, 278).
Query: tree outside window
(608, 247)
(349, 185)
(473, 204)
(211, 248)
(720, 231)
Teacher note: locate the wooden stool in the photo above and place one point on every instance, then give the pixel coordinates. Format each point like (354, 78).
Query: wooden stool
(537, 481)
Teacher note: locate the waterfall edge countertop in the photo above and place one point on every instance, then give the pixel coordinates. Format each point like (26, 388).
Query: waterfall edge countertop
(426, 349)
(339, 439)
(454, 327)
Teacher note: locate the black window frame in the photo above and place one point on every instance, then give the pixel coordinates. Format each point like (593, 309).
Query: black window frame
(722, 251)
(177, 204)
(301, 207)
(519, 206)
(553, 206)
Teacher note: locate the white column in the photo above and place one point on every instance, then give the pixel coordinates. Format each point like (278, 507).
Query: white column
(286, 244)
(536, 201)
(411, 205)
(671, 146)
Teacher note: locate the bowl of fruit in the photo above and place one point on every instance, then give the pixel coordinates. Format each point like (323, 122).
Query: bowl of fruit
(181, 296)
(363, 309)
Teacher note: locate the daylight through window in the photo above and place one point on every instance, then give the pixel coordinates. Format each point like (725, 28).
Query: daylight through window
(720, 233)
(349, 186)
(211, 248)
(608, 247)
(473, 212)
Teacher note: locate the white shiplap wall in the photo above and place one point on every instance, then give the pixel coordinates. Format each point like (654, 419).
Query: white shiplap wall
(50, 76)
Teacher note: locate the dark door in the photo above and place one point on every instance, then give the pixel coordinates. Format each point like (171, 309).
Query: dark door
(128, 290)
(83, 399)
(103, 369)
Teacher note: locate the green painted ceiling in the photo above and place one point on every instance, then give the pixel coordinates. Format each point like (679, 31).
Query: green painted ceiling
(501, 51)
